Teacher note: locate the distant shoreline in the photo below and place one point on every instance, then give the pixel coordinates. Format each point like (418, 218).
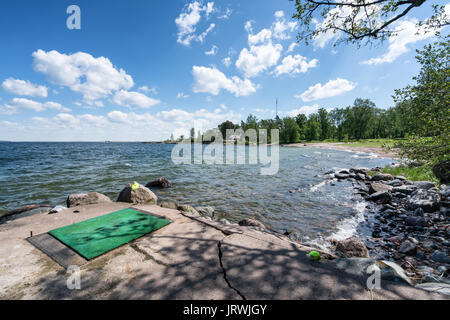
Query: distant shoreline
(346, 147)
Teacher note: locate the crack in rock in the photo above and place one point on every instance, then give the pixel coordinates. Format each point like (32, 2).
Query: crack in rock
(219, 245)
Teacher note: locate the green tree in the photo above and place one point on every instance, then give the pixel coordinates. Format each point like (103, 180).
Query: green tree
(360, 117)
(313, 128)
(224, 126)
(325, 125)
(355, 21)
(290, 132)
(301, 121)
(428, 105)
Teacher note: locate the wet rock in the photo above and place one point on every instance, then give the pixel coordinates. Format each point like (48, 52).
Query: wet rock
(382, 177)
(380, 197)
(395, 183)
(442, 269)
(445, 196)
(137, 194)
(402, 178)
(341, 176)
(188, 208)
(377, 187)
(406, 189)
(161, 182)
(352, 247)
(57, 209)
(82, 199)
(225, 221)
(169, 205)
(206, 211)
(26, 208)
(419, 212)
(424, 184)
(408, 248)
(360, 176)
(344, 171)
(415, 221)
(440, 256)
(427, 200)
(360, 170)
(399, 195)
(247, 222)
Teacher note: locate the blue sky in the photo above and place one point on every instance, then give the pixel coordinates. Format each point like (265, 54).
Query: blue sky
(141, 70)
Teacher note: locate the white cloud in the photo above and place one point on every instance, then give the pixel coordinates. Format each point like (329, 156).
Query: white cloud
(24, 88)
(211, 80)
(94, 78)
(306, 110)
(330, 89)
(279, 14)
(226, 15)
(181, 95)
(292, 47)
(89, 127)
(406, 33)
(282, 28)
(213, 51)
(263, 53)
(248, 26)
(132, 98)
(226, 61)
(18, 104)
(147, 89)
(258, 59)
(261, 37)
(188, 20)
(294, 65)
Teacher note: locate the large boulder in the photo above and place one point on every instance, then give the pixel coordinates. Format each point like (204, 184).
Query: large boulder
(380, 197)
(388, 270)
(382, 177)
(161, 182)
(341, 175)
(137, 194)
(82, 199)
(378, 186)
(442, 171)
(427, 200)
(206, 211)
(247, 222)
(424, 184)
(352, 247)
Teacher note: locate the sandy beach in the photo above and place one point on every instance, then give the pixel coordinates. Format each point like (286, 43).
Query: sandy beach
(346, 147)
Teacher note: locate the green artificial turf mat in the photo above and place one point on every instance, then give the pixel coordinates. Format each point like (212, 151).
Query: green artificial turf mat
(93, 237)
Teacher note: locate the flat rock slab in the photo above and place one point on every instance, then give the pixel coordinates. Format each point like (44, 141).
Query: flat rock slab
(191, 258)
(261, 269)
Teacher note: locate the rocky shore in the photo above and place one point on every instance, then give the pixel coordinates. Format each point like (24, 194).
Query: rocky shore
(409, 223)
(408, 220)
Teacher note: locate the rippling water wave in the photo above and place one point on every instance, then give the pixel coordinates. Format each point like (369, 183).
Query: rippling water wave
(49, 172)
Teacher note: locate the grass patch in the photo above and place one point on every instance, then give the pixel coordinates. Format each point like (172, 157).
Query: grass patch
(411, 173)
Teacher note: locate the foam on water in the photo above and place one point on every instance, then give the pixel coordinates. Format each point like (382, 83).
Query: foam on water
(317, 186)
(347, 227)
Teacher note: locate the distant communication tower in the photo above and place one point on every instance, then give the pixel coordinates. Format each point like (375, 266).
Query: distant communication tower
(276, 108)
